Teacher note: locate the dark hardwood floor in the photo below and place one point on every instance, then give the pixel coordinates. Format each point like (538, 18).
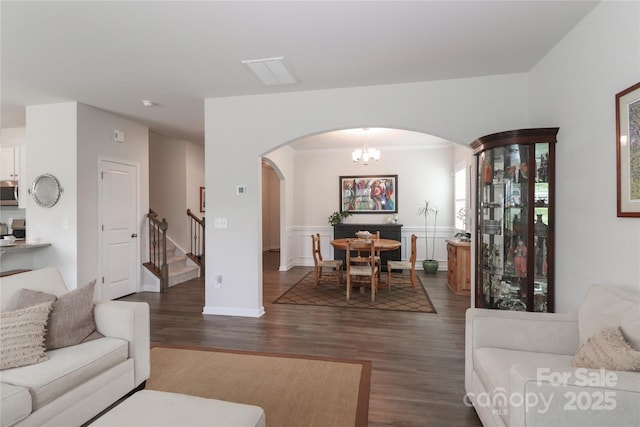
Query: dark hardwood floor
(418, 359)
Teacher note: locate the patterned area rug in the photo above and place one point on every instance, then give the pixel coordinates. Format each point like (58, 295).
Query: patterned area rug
(400, 298)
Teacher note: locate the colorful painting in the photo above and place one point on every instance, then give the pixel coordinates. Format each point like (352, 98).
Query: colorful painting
(369, 194)
(634, 150)
(628, 151)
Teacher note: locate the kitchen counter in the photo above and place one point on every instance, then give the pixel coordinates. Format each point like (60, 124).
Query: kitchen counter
(21, 245)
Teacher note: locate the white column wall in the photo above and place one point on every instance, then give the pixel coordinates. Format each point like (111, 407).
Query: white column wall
(51, 147)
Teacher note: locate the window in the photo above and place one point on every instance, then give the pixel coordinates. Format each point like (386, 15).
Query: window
(460, 196)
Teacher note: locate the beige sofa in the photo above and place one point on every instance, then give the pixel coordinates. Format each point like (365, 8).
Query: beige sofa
(78, 381)
(518, 366)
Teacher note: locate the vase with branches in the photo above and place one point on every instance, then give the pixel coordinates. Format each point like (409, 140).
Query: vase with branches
(430, 265)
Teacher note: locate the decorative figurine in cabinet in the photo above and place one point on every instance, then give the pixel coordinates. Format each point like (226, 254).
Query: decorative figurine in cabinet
(515, 219)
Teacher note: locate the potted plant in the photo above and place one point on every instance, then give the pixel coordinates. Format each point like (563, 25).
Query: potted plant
(337, 217)
(430, 265)
(463, 217)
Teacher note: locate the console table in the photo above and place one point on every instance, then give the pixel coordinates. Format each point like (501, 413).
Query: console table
(387, 231)
(459, 261)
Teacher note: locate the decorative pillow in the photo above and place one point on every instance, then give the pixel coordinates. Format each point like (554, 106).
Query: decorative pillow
(607, 349)
(22, 336)
(71, 320)
(27, 298)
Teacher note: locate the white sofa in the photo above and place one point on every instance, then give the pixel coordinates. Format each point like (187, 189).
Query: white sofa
(518, 365)
(80, 381)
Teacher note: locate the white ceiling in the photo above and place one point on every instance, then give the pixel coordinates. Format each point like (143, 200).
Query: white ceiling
(114, 54)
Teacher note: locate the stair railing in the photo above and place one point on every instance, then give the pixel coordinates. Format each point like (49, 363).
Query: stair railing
(196, 233)
(158, 249)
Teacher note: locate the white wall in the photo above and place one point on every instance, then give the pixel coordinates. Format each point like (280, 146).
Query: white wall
(95, 142)
(282, 161)
(51, 147)
(574, 88)
(195, 176)
(66, 140)
(270, 209)
(239, 130)
(176, 173)
(9, 136)
(423, 174)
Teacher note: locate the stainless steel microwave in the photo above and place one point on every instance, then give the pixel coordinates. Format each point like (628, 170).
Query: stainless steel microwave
(9, 193)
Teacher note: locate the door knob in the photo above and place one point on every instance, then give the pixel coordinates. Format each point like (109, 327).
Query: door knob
(134, 235)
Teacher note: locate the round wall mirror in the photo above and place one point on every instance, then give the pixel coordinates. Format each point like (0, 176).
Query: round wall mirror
(45, 190)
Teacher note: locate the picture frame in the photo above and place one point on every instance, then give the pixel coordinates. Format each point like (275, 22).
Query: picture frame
(202, 199)
(628, 151)
(370, 194)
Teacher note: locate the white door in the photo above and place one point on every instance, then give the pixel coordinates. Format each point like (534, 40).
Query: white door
(119, 247)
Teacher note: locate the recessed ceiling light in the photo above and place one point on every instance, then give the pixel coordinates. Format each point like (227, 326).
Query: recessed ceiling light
(148, 103)
(270, 71)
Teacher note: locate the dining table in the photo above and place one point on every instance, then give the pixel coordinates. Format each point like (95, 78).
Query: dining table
(380, 245)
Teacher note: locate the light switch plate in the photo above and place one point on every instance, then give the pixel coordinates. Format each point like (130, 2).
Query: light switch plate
(219, 222)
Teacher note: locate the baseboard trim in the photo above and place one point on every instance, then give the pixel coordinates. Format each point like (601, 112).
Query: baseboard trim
(229, 311)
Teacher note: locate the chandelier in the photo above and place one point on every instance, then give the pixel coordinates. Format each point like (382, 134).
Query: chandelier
(362, 156)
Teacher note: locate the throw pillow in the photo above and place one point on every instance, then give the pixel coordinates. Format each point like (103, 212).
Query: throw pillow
(22, 334)
(29, 297)
(607, 349)
(71, 320)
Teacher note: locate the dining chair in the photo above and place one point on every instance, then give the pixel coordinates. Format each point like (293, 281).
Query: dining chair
(405, 265)
(378, 256)
(362, 269)
(321, 263)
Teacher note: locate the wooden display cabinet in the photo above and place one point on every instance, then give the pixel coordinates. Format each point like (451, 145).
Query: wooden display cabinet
(515, 220)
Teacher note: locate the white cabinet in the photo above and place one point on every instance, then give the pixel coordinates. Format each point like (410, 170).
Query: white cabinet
(9, 163)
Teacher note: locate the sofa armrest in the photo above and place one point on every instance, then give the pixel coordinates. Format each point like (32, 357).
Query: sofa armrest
(573, 397)
(129, 321)
(516, 330)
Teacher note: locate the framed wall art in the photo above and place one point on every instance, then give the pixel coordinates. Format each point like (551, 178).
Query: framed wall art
(369, 194)
(628, 151)
(202, 204)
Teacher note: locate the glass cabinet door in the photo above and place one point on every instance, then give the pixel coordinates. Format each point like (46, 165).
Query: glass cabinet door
(514, 238)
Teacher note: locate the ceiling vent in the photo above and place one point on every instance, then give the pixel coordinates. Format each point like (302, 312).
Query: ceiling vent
(270, 71)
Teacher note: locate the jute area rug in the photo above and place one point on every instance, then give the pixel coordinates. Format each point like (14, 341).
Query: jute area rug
(293, 390)
(400, 298)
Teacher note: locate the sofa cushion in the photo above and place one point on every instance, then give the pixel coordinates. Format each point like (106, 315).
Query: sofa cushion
(607, 349)
(610, 307)
(22, 335)
(493, 366)
(71, 320)
(15, 402)
(67, 368)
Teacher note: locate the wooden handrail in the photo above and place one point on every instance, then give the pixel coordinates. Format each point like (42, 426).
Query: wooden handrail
(158, 249)
(197, 237)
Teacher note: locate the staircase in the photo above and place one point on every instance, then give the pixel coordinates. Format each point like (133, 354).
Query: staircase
(169, 265)
(181, 268)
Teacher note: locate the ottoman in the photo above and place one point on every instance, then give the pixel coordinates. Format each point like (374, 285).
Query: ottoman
(159, 408)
